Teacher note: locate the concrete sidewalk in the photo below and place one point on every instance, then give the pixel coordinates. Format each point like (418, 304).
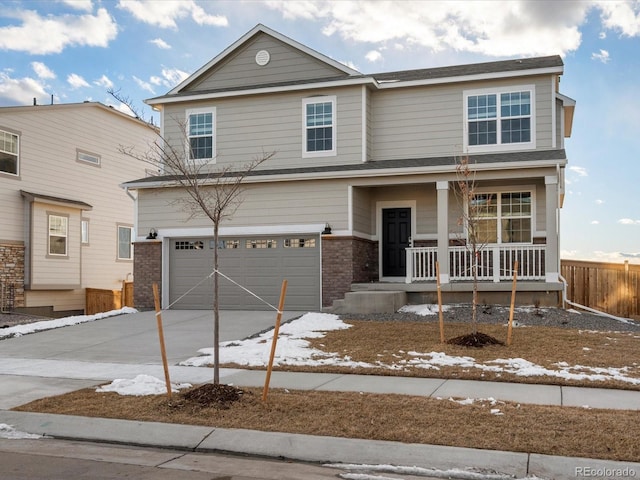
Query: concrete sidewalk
(64, 360)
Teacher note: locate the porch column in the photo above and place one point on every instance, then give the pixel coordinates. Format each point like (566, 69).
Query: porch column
(552, 257)
(443, 230)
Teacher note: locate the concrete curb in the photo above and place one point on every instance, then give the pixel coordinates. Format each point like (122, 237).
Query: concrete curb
(315, 449)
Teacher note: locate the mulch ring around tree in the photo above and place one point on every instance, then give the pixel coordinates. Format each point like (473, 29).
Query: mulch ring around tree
(476, 340)
(213, 395)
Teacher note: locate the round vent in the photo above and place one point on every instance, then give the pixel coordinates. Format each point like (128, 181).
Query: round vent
(262, 58)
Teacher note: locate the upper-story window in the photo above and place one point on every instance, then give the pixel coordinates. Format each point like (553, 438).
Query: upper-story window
(8, 152)
(87, 157)
(201, 134)
(319, 126)
(500, 119)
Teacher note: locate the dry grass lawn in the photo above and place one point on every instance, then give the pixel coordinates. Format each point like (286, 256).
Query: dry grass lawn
(527, 428)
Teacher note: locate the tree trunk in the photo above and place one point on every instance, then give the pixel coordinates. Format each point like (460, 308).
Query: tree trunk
(216, 309)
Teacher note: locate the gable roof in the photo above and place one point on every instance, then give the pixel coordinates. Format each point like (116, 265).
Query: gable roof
(404, 78)
(248, 36)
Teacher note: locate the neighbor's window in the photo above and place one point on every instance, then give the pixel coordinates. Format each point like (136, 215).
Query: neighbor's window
(499, 118)
(58, 234)
(201, 134)
(504, 217)
(8, 152)
(87, 157)
(319, 120)
(84, 232)
(125, 246)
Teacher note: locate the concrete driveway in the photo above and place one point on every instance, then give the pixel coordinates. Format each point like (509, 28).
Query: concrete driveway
(57, 361)
(133, 338)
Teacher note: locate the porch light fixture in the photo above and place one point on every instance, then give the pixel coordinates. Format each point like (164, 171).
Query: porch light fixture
(327, 230)
(152, 234)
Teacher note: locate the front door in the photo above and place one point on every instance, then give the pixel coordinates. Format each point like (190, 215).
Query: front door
(396, 231)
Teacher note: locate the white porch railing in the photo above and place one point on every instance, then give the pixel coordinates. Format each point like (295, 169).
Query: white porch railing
(495, 263)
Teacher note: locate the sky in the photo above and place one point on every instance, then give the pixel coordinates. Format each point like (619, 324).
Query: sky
(76, 50)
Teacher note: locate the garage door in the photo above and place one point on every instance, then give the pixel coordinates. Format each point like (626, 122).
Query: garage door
(257, 263)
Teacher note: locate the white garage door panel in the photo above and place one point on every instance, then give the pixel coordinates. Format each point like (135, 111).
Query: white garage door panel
(261, 270)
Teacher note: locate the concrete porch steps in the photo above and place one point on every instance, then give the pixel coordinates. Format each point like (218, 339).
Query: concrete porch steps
(370, 302)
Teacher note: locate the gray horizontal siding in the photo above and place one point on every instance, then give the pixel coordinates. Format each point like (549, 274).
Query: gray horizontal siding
(248, 126)
(286, 64)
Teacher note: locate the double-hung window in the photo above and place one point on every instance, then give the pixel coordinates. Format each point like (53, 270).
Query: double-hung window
(499, 119)
(319, 126)
(58, 234)
(201, 134)
(125, 247)
(8, 153)
(501, 217)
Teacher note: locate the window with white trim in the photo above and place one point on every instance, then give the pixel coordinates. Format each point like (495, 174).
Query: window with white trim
(84, 232)
(201, 134)
(86, 157)
(319, 126)
(58, 234)
(125, 245)
(499, 119)
(8, 153)
(501, 217)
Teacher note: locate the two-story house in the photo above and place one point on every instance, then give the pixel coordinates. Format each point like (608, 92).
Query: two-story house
(66, 223)
(361, 191)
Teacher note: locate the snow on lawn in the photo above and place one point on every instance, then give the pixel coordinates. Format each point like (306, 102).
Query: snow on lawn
(294, 349)
(20, 330)
(141, 385)
(8, 431)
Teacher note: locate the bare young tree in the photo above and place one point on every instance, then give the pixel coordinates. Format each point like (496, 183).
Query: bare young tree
(210, 190)
(472, 207)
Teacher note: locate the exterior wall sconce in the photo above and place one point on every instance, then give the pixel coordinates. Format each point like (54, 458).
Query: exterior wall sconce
(327, 230)
(152, 234)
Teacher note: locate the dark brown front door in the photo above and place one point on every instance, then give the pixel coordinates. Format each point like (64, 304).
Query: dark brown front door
(396, 231)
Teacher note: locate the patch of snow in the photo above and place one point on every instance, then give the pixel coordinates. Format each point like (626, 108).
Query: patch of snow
(141, 385)
(9, 432)
(423, 310)
(370, 472)
(19, 330)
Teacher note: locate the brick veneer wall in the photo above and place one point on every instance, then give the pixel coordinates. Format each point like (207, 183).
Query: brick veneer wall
(12, 272)
(147, 270)
(346, 260)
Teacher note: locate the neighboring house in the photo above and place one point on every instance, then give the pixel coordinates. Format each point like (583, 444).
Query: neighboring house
(66, 222)
(360, 193)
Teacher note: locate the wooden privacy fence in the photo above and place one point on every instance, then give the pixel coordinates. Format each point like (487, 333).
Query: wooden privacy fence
(100, 300)
(609, 287)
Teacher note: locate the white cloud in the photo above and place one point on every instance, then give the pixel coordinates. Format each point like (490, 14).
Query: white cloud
(42, 70)
(21, 91)
(493, 28)
(373, 56)
(602, 35)
(170, 77)
(621, 16)
(144, 85)
(84, 5)
(595, 222)
(158, 42)
(165, 14)
(76, 81)
(599, 202)
(52, 34)
(104, 81)
(580, 171)
(601, 56)
(628, 221)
